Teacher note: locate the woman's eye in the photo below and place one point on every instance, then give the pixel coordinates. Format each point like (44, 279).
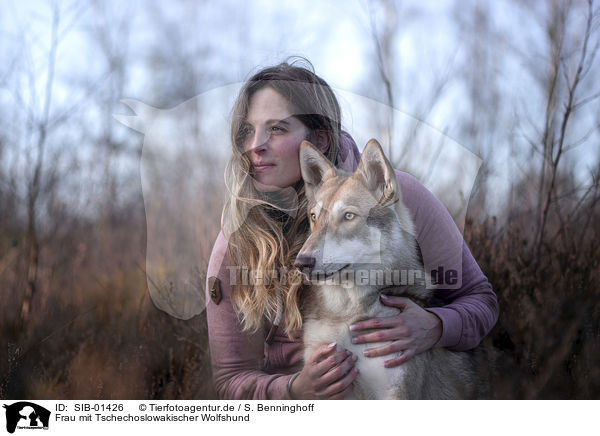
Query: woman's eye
(348, 216)
(276, 129)
(313, 217)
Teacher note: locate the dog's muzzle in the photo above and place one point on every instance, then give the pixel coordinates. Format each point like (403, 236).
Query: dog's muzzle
(305, 263)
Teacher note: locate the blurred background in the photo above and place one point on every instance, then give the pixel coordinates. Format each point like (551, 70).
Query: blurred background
(96, 192)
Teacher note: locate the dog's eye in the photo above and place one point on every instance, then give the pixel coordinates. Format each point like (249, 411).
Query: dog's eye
(348, 216)
(313, 217)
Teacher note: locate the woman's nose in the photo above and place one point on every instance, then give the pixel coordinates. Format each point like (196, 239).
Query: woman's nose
(258, 142)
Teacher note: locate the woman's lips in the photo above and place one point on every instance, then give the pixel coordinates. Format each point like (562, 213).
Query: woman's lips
(262, 167)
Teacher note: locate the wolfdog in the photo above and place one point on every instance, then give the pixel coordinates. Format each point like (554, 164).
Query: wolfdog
(359, 225)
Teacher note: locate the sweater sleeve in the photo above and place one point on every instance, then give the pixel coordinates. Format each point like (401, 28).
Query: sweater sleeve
(237, 357)
(470, 305)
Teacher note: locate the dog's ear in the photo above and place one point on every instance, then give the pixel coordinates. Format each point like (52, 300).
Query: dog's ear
(315, 167)
(378, 174)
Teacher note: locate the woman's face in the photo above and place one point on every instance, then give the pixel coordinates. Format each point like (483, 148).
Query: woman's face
(271, 139)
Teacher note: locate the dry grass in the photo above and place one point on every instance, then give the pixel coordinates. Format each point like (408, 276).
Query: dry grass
(95, 333)
(546, 344)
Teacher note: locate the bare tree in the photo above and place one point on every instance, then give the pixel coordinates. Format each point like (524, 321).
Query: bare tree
(388, 21)
(384, 35)
(565, 71)
(43, 118)
(41, 126)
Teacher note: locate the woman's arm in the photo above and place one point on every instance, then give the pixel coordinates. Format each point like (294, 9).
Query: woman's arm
(237, 357)
(470, 312)
(470, 306)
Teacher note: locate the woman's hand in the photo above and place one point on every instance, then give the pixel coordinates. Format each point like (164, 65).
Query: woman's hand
(326, 375)
(413, 331)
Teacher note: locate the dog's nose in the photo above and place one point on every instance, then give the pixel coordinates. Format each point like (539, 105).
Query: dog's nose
(305, 262)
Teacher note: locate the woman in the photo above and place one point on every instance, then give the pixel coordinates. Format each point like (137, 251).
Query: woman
(253, 315)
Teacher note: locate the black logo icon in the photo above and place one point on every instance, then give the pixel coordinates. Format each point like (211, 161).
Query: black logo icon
(26, 415)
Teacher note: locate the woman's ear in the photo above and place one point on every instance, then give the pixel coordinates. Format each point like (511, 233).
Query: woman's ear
(322, 140)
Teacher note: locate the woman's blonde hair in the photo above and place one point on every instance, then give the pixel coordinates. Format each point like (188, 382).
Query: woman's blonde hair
(266, 230)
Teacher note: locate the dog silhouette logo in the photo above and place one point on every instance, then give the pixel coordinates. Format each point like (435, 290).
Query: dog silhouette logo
(26, 415)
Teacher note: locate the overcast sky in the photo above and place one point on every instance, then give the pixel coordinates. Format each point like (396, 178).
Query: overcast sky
(228, 40)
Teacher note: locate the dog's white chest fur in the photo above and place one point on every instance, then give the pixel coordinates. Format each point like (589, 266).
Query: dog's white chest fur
(374, 381)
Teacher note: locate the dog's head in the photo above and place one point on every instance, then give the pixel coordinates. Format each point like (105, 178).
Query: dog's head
(353, 219)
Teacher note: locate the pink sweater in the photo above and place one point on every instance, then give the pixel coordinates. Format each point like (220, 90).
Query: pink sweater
(246, 367)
